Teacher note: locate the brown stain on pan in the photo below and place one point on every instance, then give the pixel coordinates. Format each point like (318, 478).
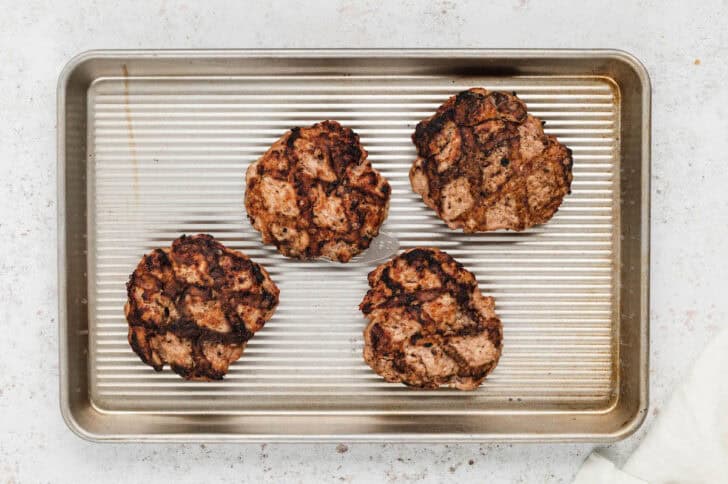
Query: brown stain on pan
(130, 136)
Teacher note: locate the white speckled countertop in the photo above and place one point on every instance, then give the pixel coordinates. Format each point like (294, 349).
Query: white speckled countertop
(683, 45)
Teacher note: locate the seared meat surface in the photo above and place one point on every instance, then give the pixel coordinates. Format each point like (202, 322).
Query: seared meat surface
(315, 194)
(485, 164)
(195, 305)
(429, 324)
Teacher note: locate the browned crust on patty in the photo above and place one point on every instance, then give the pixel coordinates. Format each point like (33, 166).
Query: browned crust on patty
(485, 164)
(195, 305)
(429, 324)
(315, 194)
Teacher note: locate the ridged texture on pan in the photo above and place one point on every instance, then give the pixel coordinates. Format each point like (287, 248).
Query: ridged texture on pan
(195, 305)
(315, 194)
(485, 164)
(429, 324)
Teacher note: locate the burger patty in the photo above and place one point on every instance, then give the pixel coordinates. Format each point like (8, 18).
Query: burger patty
(195, 305)
(315, 194)
(429, 324)
(485, 164)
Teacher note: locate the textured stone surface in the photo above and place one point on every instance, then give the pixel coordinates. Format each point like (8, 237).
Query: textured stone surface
(682, 45)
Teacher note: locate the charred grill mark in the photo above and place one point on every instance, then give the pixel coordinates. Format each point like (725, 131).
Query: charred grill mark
(495, 332)
(419, 255)
(377, 336)
(385, 190)
(466, 98)
(394, 287)
(189, 330)
(257, 274)
(364, 242)
(568, 172)
(372, 197)
(263, 300)
(463, 364)
(295, 134)
(330, 188)
(163, 259)
(498, 98)
(426, 131)
(399, 363)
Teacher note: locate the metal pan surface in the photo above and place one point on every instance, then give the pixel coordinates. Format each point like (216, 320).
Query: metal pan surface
(154, 144)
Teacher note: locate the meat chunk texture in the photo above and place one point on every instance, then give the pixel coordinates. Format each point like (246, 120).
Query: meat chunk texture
(314, 194)
(195, 305)
(429, 324)
(483, 163)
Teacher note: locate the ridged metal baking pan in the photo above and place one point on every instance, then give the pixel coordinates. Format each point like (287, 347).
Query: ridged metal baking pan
(154, 144)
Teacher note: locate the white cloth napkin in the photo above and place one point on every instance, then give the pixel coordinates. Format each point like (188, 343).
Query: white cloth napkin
(688, 441)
